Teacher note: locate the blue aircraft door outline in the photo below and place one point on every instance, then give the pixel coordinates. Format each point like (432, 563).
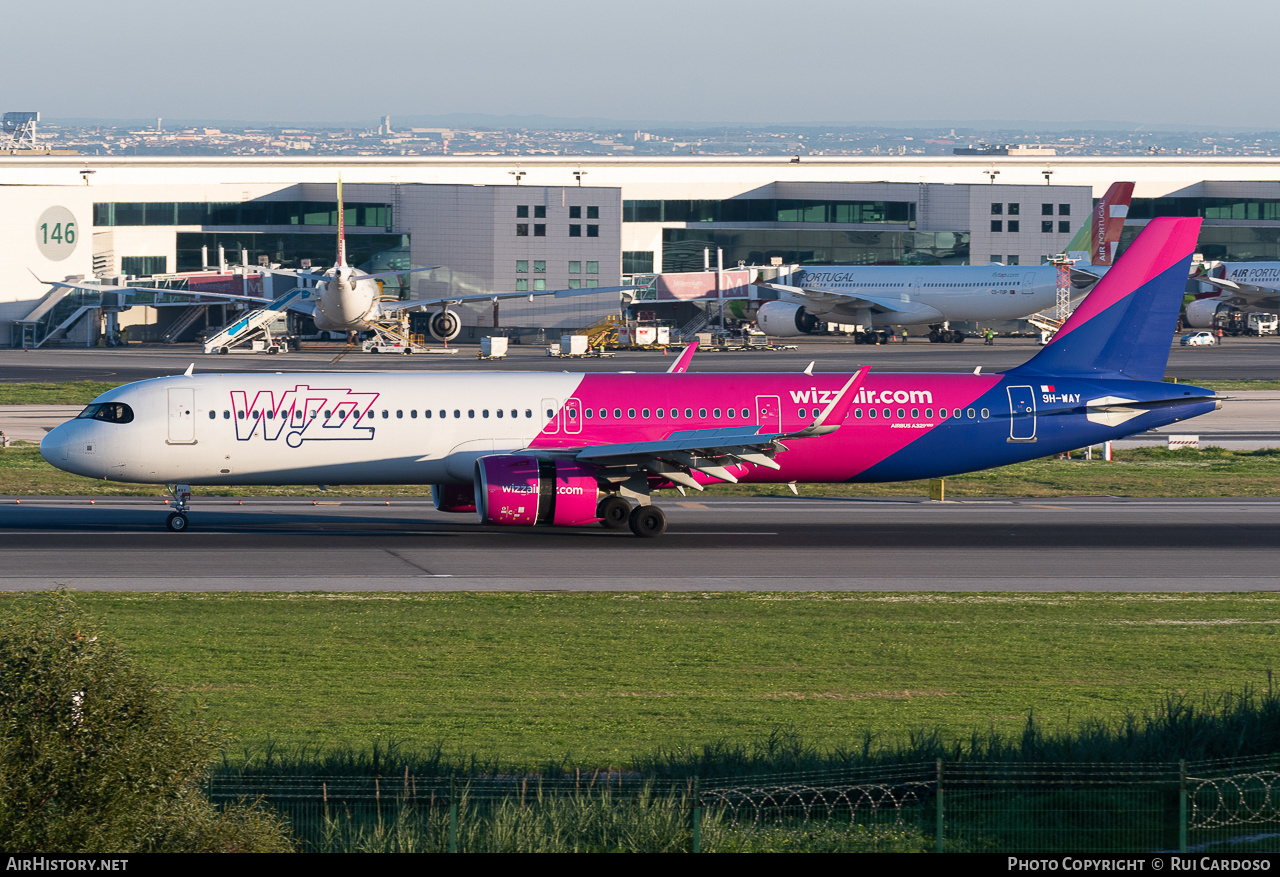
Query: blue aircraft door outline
(1022, 414)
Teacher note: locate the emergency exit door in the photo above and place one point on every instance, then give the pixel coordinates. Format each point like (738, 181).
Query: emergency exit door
(1022, 414)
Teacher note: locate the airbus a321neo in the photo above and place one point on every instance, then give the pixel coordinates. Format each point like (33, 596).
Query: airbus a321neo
(571, 450)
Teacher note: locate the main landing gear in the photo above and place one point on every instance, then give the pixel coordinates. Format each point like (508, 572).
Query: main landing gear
(177, 520)
(646, 521)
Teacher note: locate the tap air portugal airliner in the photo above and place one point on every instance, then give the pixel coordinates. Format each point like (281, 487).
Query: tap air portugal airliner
(568, 450)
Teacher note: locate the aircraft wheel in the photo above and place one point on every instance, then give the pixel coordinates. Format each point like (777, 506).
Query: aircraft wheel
(959, 337)
(177, 522)
(613, 512)
(647, 521)
(934, 337)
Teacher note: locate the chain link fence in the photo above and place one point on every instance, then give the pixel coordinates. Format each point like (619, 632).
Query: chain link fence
(1225, 806)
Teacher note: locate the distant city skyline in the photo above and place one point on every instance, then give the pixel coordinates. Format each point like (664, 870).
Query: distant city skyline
(703, 63)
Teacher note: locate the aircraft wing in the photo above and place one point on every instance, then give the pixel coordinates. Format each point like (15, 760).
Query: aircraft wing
(708, 451)
(421, 303)
(827, 302)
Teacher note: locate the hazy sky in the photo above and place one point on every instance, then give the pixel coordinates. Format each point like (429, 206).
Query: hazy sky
(720, 61)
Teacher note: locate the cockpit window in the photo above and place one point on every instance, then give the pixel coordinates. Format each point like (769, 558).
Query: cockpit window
(111, 412)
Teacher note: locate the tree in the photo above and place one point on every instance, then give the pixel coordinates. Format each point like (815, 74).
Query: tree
(95, 756)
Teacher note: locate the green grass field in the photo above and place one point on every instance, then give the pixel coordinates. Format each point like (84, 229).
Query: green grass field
(599, 679)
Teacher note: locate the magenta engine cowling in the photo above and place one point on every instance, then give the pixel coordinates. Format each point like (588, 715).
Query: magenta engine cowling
(516, 491)
(454, 497)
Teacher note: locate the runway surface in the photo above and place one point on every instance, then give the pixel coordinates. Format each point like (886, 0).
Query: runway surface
(1234, 359)
(714, 544)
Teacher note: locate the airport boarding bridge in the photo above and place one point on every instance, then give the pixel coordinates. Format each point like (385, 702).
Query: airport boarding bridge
(75, 315)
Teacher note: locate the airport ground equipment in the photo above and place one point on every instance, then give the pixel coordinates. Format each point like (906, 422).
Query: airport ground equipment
(493, 347)
(254, 324)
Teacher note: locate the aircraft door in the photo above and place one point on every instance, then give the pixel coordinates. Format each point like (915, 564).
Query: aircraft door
(769, 413)
(1022, 414)
(182, 419)
(1028, 284)
(550, 415)
(572, 416)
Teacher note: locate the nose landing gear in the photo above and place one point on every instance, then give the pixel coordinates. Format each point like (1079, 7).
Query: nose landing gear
(177, 520)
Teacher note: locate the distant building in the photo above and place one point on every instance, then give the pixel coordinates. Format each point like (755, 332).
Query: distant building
(516, 223)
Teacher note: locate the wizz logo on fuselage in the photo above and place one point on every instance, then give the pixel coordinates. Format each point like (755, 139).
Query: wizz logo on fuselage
(303, 414)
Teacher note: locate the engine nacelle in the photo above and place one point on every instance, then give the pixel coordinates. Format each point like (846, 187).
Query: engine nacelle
(1200, 313)
(784, 319)
(454, 497)
(517, 491)
(445, 325)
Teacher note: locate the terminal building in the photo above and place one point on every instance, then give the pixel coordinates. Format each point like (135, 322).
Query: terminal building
(508, 224)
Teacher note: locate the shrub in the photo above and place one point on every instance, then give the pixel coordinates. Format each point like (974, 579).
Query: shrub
(95, 756)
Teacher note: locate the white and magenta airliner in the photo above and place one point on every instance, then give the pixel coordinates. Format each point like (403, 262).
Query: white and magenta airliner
(568, 450)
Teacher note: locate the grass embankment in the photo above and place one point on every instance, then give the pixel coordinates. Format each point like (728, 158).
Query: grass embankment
(1136, 472)
(67, 393)
(599, 679)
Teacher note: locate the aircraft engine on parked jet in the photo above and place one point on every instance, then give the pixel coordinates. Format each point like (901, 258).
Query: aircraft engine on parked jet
(784, 319)
(1200, 313)
(453, 497)
(444, 325)
(517, 491)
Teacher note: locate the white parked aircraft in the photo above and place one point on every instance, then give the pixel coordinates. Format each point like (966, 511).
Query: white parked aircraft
(880, 296)
(346, 299)
(1247, 287)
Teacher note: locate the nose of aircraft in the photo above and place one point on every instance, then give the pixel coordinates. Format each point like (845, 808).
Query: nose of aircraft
(53, 447)
(73, 447)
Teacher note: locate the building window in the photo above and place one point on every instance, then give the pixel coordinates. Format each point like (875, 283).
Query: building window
(995, 258)
(592, 284)
(1014, 225)
(522, 230)
(540, 266)
(140, 266)
(997, 209)
(539, 230)
(522, 285)
(997, 225)
(539, 284)
(1064, 209)
(1046, 227)
(1064, 226)
(637, 262)
(1046, 210)
(593, 213)
(593, 267)
(522, 266)
(575, 283)
(522, 212)
(575, 212)
(593, 231)
(1013, 260)
(575, 231)
(540, 212)
(575, 267)
(1014, 209)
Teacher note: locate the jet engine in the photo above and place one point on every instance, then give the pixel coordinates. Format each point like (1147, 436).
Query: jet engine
(1200, 313)
(784, 319)
(445, 325)
(517, 491)
(453, 497)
